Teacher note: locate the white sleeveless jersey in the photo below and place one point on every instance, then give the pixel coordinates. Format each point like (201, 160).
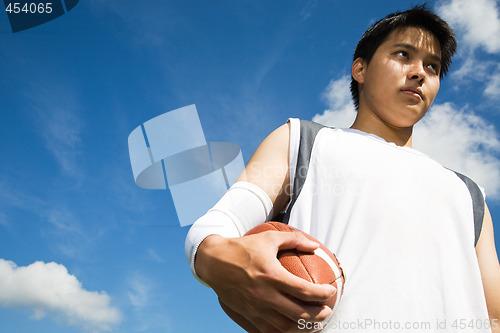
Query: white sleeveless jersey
(402, 228)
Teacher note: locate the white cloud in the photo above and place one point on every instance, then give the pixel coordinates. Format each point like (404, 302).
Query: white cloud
(456, 138)
(337, 94)
(477, 26)
(11, 195)
(472, 69)
(493, 86)
(308, 9)
(153, 255)
(61, 131)
(148, 304)
(66, 234)
(341, 111)
(139, 293)
(63, 229)
(146, 27)
(477, 20)
(59, 125)
(64, 222)
(4, 220)
(462, 141)
(48, 288)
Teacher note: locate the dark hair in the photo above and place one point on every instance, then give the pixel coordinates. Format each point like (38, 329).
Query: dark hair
(419, 17)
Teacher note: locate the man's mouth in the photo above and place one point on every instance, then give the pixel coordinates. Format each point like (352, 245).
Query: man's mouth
(414, 92)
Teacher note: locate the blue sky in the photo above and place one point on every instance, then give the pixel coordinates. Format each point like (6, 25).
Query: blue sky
(82, 248)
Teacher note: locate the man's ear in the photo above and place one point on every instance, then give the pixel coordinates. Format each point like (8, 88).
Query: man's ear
(358, 70)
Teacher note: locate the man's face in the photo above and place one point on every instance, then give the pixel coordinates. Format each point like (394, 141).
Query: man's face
(401, 81)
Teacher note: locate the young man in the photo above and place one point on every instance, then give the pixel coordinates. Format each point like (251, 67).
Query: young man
(402, 226)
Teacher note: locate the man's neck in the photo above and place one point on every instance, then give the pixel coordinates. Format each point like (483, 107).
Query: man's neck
(400, 136)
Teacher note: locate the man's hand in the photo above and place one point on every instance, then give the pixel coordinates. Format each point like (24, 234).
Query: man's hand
(248, 278)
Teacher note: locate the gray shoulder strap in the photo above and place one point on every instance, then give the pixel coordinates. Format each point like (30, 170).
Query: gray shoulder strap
(477, 204)
(308, 132)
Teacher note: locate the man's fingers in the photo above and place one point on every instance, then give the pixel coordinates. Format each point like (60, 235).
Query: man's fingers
(287, 282)
(295, 310)
(294, 240)
(306, 291)
(274, 299)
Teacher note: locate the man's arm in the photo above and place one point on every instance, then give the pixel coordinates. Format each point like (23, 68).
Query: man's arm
(490, 269)
(245, 273)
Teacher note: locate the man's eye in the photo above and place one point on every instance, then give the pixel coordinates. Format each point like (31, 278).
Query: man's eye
(434, 67)
(403, 54)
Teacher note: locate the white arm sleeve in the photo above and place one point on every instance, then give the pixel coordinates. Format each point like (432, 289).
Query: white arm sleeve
(244, 206)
